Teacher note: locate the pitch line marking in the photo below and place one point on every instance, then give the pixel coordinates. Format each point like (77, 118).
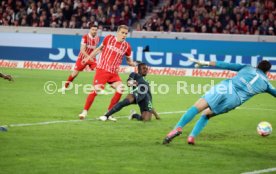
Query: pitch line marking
(70, 121)
(261, 171)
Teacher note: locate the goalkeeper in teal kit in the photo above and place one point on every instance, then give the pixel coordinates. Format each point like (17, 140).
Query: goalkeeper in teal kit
(225, 96)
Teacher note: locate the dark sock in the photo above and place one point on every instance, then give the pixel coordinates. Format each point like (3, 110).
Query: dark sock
(138, 117)
(118, 107)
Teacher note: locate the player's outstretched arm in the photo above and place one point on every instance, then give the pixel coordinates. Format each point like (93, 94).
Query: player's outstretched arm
(131, 83)
(96, 51)
(93, 54)
(218, 64)
(7, 77)
(130, 62)
(229, 66)
(199, 64)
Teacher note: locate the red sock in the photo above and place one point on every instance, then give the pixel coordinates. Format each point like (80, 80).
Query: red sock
(114, 100)
(90, 100)
(69, 80)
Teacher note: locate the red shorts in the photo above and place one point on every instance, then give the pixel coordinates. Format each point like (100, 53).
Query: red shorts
(102, 77)
(79, 66)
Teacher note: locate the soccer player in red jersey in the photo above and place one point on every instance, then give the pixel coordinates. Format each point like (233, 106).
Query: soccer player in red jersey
(88, 43)
(113, 49)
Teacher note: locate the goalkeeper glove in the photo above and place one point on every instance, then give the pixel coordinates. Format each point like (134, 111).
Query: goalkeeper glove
(198, 63)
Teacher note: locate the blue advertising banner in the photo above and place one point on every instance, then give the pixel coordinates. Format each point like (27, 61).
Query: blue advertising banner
(155, 52)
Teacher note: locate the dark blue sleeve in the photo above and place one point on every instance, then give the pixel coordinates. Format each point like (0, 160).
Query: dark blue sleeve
(131, 76)
(271, 90)
(229, 66)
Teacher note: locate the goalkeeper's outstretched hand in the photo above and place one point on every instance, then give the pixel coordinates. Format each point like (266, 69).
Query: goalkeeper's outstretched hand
(198, 63)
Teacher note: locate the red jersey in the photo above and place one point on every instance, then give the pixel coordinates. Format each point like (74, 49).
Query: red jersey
(90, 42)
(112, 54)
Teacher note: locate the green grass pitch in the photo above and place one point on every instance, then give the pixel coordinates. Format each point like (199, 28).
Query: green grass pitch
(228, 144)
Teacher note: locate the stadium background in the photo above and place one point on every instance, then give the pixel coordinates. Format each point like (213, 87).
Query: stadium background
(32, 50)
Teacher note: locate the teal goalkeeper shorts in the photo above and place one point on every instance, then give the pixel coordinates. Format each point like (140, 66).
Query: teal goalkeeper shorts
(222, 98)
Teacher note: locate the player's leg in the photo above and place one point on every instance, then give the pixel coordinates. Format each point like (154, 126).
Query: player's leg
(100, 80)
(6, 77)
(125, 102)
(79, 66)
(136, 116)
(224, 102)
(200, 124)
(118, 86)
(146, 116)
(211, 100)
(199, 106)
(145, 105)
(89, 100)
(71, 77)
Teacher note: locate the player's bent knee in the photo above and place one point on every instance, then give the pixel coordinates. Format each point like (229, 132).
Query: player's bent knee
(201, 104)
(130, 99)
(208, 112)
(146, 115)
(120, 89)
(98, 88)
(75, 73)
(210, 116)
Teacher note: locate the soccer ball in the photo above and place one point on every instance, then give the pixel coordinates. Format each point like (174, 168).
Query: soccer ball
(264, 128)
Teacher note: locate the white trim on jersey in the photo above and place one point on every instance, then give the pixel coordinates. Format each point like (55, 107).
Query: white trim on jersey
(117, 55)
(112, 53)
(91, 43)
(111, 67)
(109, 53)
(104, 61)
(82, 41)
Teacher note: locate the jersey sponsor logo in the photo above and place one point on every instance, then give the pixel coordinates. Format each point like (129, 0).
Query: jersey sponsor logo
(118, 50)
(91, 46)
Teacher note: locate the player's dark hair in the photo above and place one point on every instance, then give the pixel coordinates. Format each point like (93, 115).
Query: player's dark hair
(94, 24)
(140, 64)
(264, 65)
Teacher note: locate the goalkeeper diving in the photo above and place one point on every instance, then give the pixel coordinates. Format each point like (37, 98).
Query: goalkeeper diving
(225, 96)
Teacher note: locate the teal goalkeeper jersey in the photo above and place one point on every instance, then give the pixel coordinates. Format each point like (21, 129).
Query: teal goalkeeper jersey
(249, 81)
